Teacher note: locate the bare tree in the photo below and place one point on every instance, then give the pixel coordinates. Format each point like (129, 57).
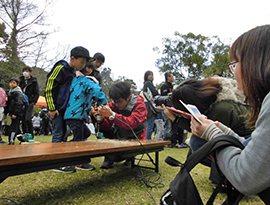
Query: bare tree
(27, 29)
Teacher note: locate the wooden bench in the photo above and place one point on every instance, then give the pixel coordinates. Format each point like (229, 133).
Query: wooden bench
(33, 157)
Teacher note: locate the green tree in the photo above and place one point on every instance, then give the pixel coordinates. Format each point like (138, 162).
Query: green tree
(219, 60)
(3, 34)
(107, 81)
(192, 56)
(130, 81)
(27, 31)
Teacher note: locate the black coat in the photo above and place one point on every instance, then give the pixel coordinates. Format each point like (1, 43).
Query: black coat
(15, 104)
(31, 89)
(166, 88)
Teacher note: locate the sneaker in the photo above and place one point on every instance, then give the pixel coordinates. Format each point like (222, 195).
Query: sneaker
(170, 146)
(181, 145)
(67, 169)
(129, 161)
(106, 164)
(3, 142)
(86, 167)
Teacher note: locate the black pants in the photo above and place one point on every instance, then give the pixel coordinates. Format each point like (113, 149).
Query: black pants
(14, 129)
(45, 127)
(27, 125)
(177, 134)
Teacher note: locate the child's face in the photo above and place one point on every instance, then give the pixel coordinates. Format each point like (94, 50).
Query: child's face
(13, 84)
(78, 63)
(97, 64)
(121, 103)
(88, 71)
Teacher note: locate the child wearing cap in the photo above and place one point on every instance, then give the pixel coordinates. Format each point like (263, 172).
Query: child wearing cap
(57, 91)
(14, 108)
(99, 60)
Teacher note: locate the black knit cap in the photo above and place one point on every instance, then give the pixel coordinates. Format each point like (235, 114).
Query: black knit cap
(15, 79)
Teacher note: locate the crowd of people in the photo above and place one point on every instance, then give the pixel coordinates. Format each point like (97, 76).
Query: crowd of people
(17, 106)
(238, 107)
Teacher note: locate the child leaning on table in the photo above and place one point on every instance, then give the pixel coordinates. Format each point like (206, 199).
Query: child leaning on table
(14, 108)
(124, 117)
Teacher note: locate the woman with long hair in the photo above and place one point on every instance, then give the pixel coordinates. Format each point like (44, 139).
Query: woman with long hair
(248, 169)
(150, 89)
(218, 98)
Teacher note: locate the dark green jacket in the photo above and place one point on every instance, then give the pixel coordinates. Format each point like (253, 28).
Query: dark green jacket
(229, 113)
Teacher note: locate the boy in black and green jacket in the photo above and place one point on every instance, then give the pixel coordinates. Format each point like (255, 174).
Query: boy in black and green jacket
(57, 92)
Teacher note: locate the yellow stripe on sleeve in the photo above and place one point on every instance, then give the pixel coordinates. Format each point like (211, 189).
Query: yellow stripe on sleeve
(49, 86)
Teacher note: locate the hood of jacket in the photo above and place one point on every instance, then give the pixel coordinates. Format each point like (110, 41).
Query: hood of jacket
(131, 103)
(17, 89)
(229, 90)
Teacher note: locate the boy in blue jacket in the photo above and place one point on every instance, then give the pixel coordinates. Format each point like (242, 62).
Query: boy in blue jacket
(82, 92)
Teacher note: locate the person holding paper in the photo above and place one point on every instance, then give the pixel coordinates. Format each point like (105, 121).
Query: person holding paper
(247, 169)
(218, 98)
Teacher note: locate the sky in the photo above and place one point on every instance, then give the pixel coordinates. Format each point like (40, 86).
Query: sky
(126, 31)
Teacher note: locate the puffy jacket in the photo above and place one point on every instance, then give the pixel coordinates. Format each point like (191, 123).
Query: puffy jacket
(15, 102)
(228, 109)
(31, 89)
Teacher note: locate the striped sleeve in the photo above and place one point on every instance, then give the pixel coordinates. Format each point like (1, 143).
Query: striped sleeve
(51, 82)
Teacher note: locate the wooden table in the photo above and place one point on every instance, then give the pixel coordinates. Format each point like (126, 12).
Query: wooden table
(33, 157)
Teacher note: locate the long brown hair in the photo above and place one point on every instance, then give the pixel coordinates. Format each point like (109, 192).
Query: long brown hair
(202, 93)
(252, 49)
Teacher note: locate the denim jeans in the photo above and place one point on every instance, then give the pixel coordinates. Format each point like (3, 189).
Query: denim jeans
(196, 142)
(59, 128)
(150, 126)
(79, 129)
(246, 141)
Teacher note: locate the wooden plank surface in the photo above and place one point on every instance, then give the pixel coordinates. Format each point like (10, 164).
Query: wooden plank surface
(36, 152)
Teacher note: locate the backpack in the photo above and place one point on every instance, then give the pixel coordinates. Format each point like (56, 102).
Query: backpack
(3, 98)
(148, 99)
(25, 101)
(182, 189)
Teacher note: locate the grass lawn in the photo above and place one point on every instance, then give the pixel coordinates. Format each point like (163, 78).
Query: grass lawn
(114, 186)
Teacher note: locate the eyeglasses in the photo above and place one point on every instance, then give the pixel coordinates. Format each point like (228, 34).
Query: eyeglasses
(118, 102)
(232, 66)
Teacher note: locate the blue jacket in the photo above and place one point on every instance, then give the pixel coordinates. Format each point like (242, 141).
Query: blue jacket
(58, 86)
(82, 92)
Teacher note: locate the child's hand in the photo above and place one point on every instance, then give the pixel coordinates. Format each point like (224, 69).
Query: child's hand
(93, 111)
(53, 113)
(105, 111)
